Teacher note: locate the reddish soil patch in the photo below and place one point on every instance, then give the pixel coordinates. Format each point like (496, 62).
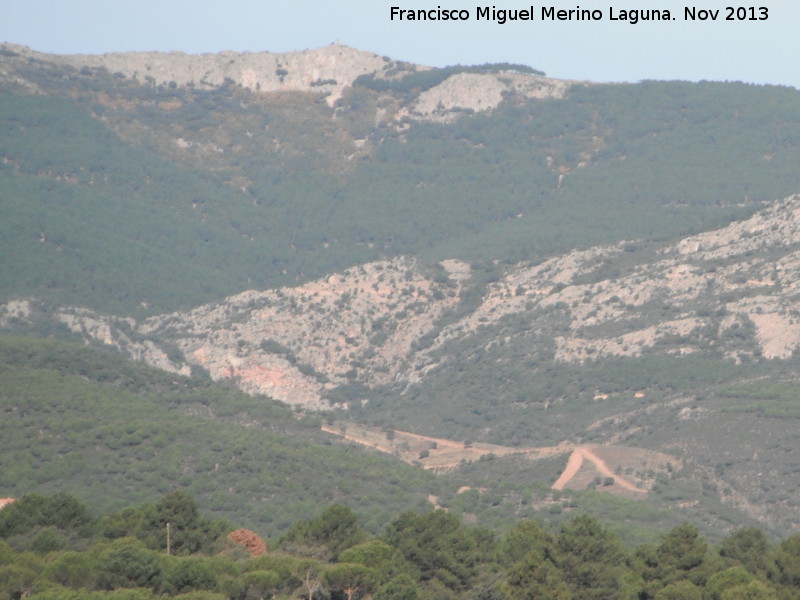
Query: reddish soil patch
(262, 376)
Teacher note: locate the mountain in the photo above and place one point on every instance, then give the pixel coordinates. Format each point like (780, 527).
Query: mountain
(140, 194)
(640, 347)
(477, 269)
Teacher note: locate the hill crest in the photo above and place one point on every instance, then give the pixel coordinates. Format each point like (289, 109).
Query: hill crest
(325, 71)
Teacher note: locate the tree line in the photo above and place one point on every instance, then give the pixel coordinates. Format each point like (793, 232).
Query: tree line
(52, 547)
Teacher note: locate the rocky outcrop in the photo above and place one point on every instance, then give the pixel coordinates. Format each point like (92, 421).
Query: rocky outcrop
(325, 70)
(295, 343)
(734, 288)
(480, 92)
(391, 322)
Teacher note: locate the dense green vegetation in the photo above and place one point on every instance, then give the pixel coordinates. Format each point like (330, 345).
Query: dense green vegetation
(271, 190)
(52, 547)
(765, 397)
(95, 221)
(138, 199)
(546, 397)
(113, 432)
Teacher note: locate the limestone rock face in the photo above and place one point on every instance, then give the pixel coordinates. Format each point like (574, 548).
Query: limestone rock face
(391, 322)
(322, 70)
(327, 70)
(480, 92)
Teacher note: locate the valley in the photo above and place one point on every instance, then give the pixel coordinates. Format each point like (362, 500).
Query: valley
(521, 296)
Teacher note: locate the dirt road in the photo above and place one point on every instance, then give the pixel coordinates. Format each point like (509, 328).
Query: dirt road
(575, 463)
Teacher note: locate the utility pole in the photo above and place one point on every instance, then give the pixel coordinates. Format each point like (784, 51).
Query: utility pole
(168, 540)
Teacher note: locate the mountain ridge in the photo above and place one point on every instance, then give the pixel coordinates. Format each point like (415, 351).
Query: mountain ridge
(177, 181)
(262, 71)
(325, 71)
(377, 332)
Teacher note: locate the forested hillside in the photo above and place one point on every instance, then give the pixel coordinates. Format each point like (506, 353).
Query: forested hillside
(232, 274)
(110, 432)
(130, 195)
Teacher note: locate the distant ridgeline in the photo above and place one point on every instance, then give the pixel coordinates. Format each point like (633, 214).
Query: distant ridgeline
(132, 196)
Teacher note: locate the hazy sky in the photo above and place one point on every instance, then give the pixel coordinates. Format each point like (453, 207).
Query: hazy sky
(765, 51)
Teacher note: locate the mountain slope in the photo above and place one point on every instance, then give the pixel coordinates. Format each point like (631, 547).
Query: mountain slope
(655, 347)
(111, 432)
(479, 254)
(143, 194)
(729, 292)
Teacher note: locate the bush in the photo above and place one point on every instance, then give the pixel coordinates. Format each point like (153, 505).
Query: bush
(192, 574)
(129, 565)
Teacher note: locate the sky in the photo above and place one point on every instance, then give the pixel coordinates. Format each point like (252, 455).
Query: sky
(604, 50)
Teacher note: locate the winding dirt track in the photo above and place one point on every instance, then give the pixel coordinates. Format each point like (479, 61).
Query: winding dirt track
(576, 461)
(573, 466)
(447, 454)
